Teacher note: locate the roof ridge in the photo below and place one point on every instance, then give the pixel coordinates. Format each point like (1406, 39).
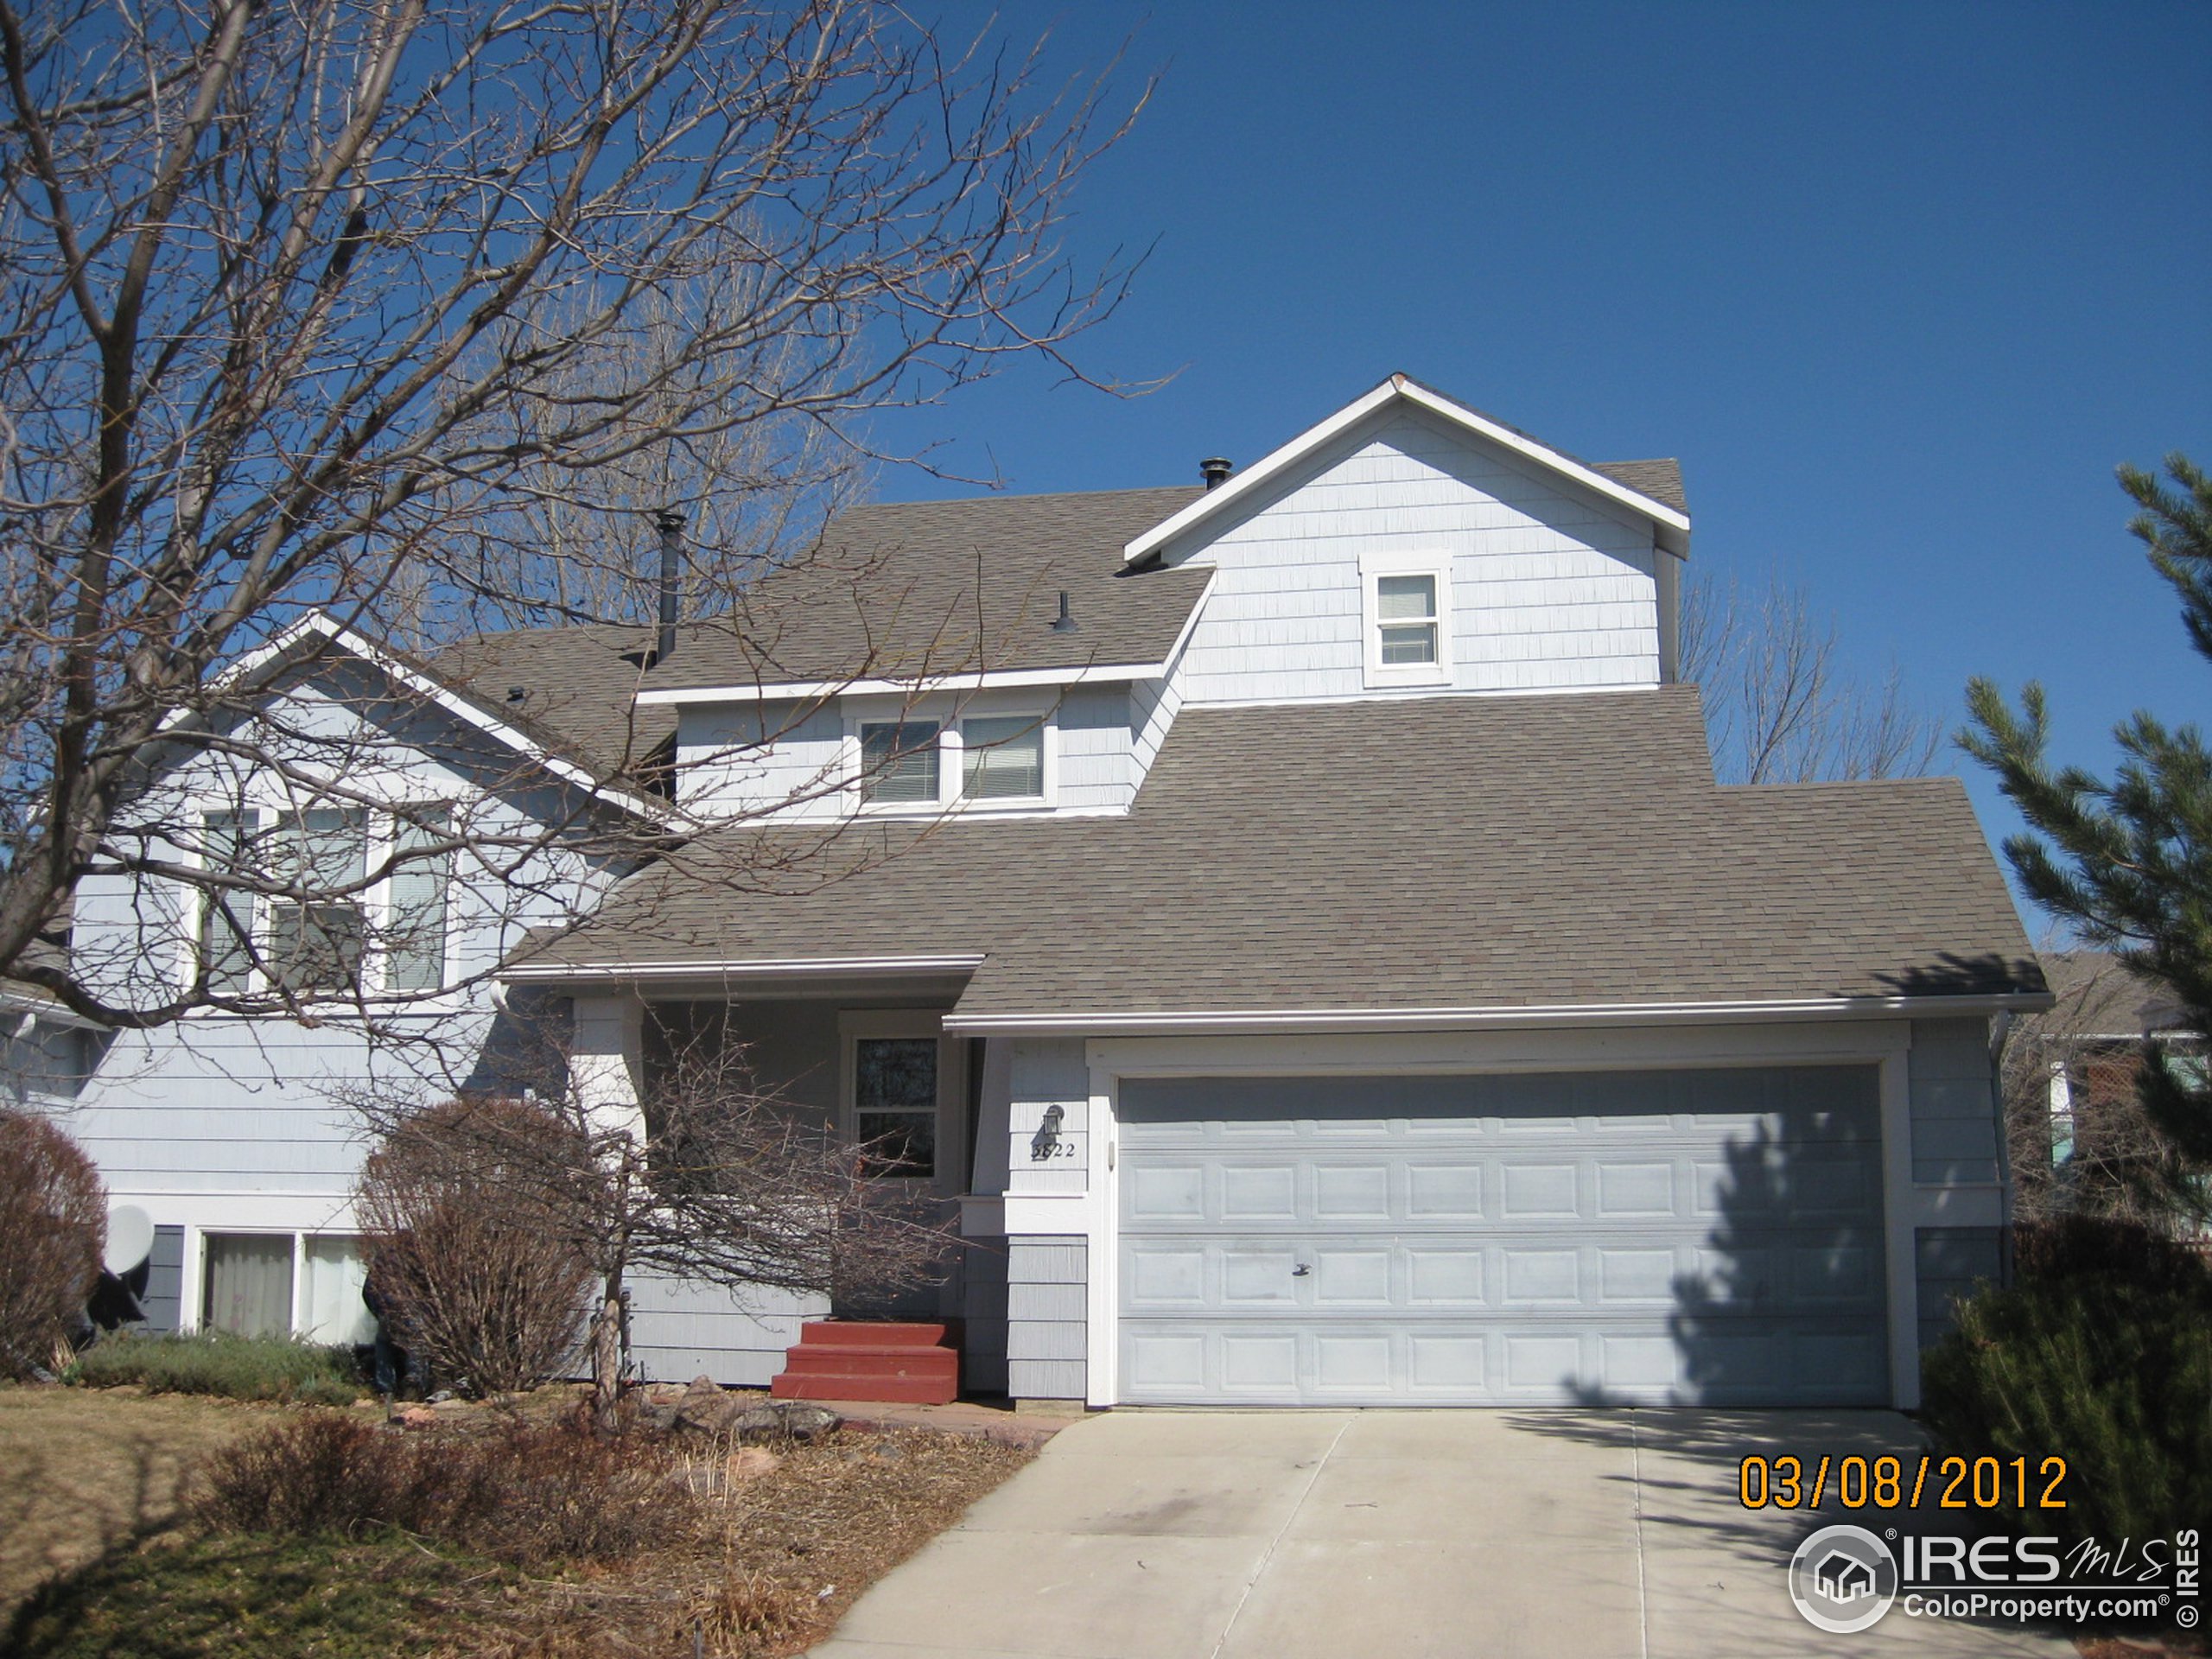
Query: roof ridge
(998, 498)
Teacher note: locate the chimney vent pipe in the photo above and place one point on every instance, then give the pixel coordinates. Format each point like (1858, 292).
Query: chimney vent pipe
(671, 567)
(1064, 622)
(1215, 469)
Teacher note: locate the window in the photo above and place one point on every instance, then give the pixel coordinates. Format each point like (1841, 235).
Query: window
(316, 942)
(1408, 609)
(1405, 614)
(898, 763)
(416, 953)
(315, 936)
(284, 1284)
(246, 1284)
(226, 918)
(1003, 757)
(894, 1103)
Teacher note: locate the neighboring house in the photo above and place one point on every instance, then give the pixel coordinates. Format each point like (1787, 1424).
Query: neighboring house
(1296, 924)
(233, 1133)
(2079, 1133)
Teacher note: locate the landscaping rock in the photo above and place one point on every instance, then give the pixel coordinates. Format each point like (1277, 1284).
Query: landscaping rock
(706, 1408)
(784, 1419)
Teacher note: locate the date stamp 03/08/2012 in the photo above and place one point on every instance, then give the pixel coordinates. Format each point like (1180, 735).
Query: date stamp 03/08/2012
(1857, 1482)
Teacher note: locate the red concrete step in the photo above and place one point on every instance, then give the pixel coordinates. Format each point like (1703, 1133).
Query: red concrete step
(872, 1362)
(904, 1391)
(872, 1333)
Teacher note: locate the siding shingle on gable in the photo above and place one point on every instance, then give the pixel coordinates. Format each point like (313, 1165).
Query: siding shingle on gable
(1444, 852)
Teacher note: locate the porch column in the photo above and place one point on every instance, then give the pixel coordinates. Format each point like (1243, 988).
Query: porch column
(606, 1066)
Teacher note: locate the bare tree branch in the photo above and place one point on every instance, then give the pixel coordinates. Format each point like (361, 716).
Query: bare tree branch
(1779, 706)
(414, 315)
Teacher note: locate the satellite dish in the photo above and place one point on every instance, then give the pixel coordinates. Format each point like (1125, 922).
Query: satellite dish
(130, 1238)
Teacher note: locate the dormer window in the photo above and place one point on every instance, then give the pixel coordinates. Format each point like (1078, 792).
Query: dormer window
(1408, 605)
(898, 763)
(985, 762)
(1003, 757)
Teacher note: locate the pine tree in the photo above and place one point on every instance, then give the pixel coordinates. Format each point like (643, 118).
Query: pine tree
(2129, 863)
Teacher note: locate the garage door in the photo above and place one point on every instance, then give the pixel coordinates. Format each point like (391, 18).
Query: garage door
(1687, 1237)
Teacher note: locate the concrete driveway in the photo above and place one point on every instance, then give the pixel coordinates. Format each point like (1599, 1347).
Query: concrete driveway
(1280, 1535)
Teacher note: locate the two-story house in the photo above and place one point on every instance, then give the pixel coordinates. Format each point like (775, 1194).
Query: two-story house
(1296, 921)
(1293, 920)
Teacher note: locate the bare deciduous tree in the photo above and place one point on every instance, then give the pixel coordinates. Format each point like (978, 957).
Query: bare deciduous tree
(1779, 705)
(712, 1181)
(415, 316)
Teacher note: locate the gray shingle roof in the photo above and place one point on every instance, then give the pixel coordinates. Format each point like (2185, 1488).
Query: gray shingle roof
(1445, 852)
(2100, 997)
(913, 590)
(578, 688)
(1660, 479)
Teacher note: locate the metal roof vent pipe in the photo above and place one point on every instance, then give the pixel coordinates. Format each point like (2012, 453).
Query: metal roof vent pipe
(1215, 469)
(671, 567)
(1064, 622)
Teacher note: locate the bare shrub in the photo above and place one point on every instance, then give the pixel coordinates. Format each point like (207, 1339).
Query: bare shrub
(468, 1231)
(524, 1493)
(52, 1226)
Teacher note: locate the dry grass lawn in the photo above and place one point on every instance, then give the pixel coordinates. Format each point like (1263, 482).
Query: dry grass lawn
(81, 1471)
(754, 1554)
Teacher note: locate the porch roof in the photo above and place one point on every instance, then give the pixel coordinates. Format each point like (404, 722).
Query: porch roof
(1411, 861)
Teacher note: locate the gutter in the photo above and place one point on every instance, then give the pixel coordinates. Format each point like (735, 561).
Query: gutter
(1228, 1022)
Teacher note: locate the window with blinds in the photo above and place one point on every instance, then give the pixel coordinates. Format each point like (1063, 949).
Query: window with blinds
(899, 762)
(227, 918)
(1405, 615)
(1003, 757)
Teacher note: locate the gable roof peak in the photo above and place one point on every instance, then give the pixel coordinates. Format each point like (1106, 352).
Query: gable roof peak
(1641, 491)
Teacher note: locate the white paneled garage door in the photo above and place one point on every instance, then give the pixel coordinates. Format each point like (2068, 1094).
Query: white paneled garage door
(1710, 1236)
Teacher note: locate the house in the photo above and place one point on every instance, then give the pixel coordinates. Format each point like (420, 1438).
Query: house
(2079, 1133)
(1293, 924)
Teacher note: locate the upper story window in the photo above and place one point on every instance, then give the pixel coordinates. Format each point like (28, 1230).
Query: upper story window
(979, 761)
(315, 942)
(1003, 757)
(415, 948)
(1407, 603)
(332, 931)
(1405, 620)
(899, 762)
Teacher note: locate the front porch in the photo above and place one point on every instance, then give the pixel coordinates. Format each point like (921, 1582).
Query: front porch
(867, 1059)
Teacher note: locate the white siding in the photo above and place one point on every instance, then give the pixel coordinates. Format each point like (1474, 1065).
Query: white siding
(738, 758)
(1551, 588)
(1096, 771)
(1954, 1107)
(682, 1329)
(214, 1104)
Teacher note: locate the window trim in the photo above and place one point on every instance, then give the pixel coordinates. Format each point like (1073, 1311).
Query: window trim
(856, 1026)
(1373, 566)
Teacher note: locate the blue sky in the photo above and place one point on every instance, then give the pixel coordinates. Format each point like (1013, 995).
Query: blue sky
(1899, 285)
